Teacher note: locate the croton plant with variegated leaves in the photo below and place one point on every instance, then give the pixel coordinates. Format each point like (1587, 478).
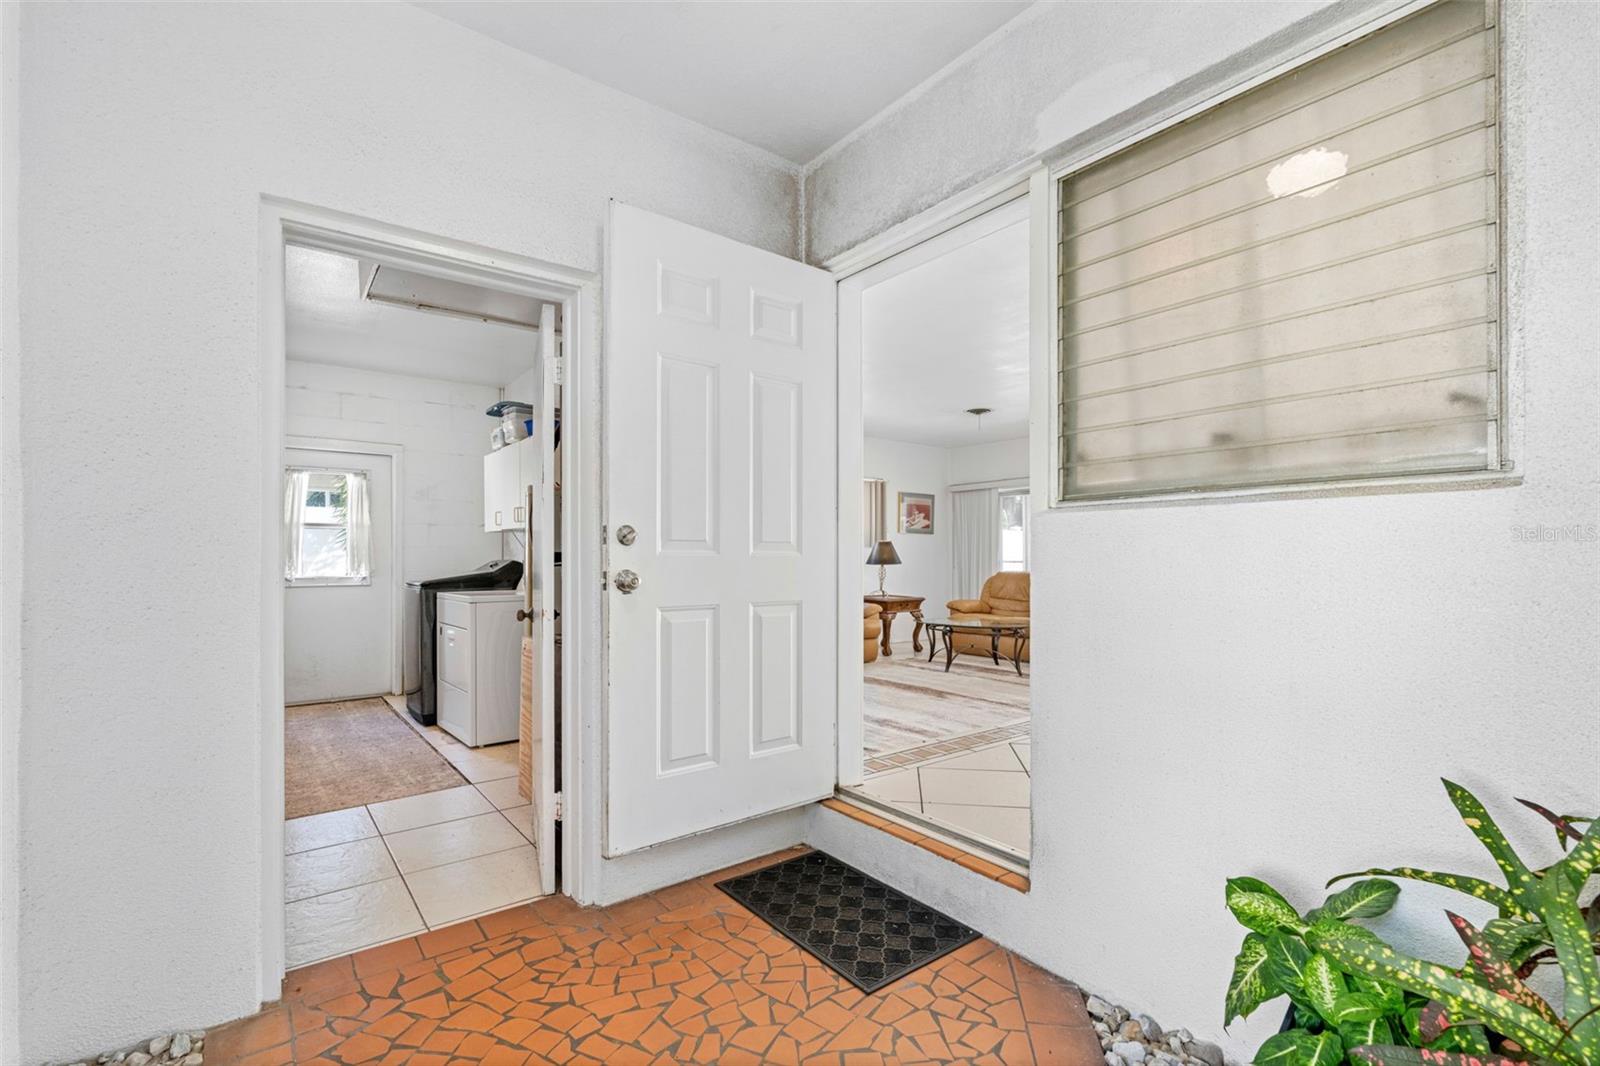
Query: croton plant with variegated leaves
(1354, 998)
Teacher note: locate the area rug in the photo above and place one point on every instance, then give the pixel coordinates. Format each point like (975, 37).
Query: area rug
(909, 701)
(345, 754)
(865, 931)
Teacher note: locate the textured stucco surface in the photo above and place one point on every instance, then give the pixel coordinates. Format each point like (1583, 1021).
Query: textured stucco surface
(1275, 687)
(1054, 73)
(150, 133)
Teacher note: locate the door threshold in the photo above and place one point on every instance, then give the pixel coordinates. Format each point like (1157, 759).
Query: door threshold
(979, 856)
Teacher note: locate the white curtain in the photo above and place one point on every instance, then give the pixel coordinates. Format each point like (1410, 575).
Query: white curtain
(358, 543)
(296, 483)
(975, 547)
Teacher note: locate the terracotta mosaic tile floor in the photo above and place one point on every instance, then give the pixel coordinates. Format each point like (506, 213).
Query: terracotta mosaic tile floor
(682, 975)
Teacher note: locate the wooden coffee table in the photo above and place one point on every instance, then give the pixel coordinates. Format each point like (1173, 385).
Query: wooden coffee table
(893, 605)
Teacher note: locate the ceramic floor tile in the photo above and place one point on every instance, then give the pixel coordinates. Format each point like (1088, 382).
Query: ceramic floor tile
(481, 764)
(1025, 753)
(321, 830)
(341, 922)
(488, 882)
(998, 757)
(1003, 825)
(900, 786)
(985, 788)
(430, 808)
(465, 838)
(503, 793)
(359, 862)
(522, 818)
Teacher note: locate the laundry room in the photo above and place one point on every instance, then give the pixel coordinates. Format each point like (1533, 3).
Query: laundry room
(421, 474)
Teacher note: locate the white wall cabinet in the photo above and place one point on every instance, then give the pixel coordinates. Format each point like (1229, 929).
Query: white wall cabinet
(507, 474)
(479, 649)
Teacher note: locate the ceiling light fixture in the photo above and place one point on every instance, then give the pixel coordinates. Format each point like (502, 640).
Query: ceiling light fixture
(978, 413)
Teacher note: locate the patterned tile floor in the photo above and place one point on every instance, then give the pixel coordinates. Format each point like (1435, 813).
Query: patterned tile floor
(682, 975)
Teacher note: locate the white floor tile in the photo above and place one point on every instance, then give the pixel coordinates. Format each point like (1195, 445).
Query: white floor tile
(338, 866)
(487, 883)
(448, 842)
(1025, 753)
(482, 764)
(899, 786)
(321, 830)
(522, 818)
(985, 788)
(998, 757)
(1003, 825)
(430, 808)
(338, 923)
(502, 793)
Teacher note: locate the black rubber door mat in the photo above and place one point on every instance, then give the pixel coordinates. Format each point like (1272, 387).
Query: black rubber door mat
(864, 930)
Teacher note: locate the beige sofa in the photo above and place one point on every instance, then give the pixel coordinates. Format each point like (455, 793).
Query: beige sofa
(1005, 595)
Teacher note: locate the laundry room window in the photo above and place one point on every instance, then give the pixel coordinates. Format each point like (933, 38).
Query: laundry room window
(327, 527)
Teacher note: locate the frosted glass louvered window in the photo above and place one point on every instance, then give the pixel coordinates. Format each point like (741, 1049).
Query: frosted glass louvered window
(1299, 284)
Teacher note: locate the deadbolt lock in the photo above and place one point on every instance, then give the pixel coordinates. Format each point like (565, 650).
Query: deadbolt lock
(626, 535)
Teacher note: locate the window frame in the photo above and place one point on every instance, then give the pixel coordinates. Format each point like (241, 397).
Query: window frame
(326, 580)
(1027, 529)
(1046, 319)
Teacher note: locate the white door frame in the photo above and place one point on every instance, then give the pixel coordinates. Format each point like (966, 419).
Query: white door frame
(396, 456)
(281, 222)
(899, 249)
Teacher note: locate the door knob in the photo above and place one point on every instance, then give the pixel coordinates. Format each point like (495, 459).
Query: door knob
(626, 535)
(626, 581)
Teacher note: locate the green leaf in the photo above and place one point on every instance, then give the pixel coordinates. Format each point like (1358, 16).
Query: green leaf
(1355, 1007)
(1249, 987)
(1260, 907)
(1324, 984)
(1286, 960)
(1476, 818)
(1563, 823)
(1392, 997)
(1459, 996)
(1283, 1049)
(1475, 887)
(1389, 1055)
(1376, 1031)
(1328, 1050)
(1364, 899)
(1580, 971)
(1514, 939)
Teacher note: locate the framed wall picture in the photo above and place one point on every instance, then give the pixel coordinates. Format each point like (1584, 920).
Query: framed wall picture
(916, 512)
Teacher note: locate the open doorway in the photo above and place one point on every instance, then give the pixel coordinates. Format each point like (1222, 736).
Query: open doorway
(421, 476)
(943, 335)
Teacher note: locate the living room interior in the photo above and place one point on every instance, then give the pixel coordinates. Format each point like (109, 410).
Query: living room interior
(945, 506)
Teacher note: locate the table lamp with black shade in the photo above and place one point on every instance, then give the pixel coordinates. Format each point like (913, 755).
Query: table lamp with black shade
(883, 556)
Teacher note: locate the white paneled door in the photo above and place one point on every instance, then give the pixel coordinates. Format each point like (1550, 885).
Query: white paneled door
(720, 464)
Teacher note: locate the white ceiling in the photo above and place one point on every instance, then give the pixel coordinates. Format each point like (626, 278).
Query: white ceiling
(947, 335)
(328, 322)
(791, 77)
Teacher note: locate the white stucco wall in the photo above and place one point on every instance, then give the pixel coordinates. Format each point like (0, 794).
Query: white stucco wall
(1275, 687)
(150, 133)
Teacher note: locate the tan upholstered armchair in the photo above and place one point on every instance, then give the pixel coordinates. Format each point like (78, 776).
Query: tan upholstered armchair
(872, 629)
(1004, 595)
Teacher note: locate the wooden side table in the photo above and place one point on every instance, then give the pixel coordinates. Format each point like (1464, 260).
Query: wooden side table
(893, 605)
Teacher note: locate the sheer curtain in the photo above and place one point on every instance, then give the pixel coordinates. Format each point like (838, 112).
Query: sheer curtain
(358, 542)
(296, 483)
(975, 548)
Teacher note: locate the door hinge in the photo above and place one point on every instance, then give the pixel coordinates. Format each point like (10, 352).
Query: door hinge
(557, 805)
(559, 370)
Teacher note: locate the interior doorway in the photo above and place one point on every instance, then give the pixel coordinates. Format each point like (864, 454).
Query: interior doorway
(417, 421)
(938, 717)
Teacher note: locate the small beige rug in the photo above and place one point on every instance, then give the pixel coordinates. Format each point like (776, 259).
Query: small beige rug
(351, 752)
(910, 701)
